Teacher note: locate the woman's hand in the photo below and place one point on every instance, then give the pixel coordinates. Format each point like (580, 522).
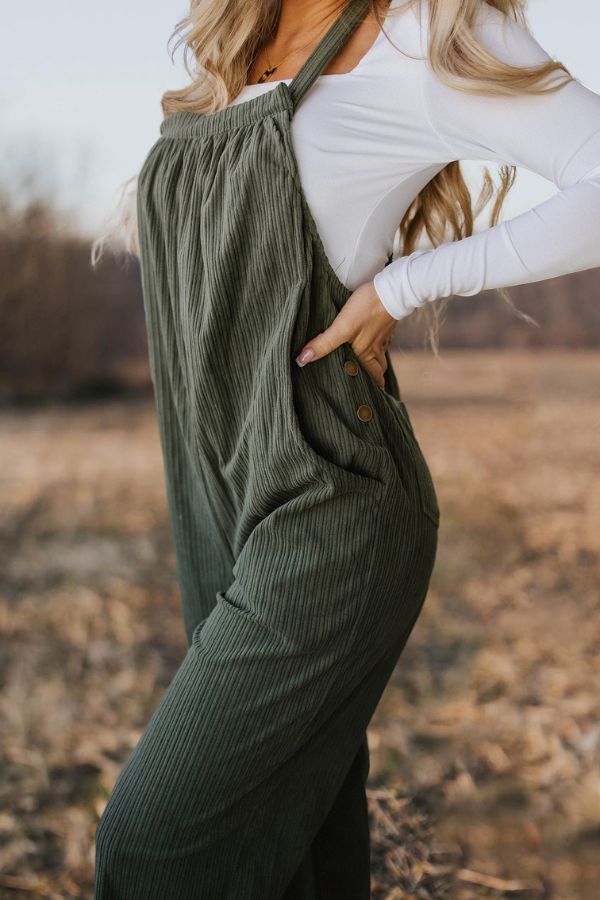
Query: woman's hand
(365, 324)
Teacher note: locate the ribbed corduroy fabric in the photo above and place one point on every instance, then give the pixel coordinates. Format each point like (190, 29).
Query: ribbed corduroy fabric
(305, 535)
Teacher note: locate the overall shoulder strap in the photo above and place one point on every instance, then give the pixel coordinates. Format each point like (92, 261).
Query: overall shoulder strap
(332, 41)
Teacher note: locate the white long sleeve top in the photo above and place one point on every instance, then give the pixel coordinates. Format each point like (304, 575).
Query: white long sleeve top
(368, 141)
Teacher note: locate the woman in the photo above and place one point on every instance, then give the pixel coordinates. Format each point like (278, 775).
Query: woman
(304, 515)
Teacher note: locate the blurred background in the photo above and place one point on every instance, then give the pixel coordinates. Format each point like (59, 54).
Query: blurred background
(485, 749)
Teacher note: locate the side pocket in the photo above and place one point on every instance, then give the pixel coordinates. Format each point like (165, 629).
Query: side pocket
(323, 422)
(427, 494)
(399, 414)
(429, 501)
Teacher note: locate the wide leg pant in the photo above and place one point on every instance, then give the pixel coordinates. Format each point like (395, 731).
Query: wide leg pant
(253, 764)
(249, 779)
(337, 864)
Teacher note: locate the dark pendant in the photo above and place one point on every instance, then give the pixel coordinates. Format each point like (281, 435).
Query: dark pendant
(266, 74)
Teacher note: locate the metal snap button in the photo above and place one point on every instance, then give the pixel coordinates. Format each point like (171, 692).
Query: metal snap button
(364, 413)
(351, 367)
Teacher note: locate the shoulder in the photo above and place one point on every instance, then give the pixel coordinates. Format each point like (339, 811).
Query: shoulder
(407, 25)
(506, 39)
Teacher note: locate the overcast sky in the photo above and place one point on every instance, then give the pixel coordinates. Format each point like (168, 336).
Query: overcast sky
(80, 86)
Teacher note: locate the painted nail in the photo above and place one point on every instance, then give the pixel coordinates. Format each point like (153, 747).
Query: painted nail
(305, 356)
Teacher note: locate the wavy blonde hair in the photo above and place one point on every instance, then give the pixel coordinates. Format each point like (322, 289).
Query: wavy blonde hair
(221, 39)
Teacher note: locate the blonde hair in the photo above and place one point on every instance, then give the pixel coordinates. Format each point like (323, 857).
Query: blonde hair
(222, 37)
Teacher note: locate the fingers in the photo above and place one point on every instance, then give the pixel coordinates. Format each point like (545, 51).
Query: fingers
(373, 359)
(364, 323)
(375, 363)
(340, 331)
(375, 370)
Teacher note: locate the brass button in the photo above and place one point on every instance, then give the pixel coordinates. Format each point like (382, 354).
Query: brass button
(351, 367)
(364, 413)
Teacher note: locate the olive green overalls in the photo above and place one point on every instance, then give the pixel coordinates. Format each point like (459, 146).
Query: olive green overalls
(305, 527)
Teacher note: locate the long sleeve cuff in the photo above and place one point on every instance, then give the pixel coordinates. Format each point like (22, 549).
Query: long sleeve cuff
(393, 286)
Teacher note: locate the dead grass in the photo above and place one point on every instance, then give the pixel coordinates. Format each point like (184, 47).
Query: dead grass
(485, 750)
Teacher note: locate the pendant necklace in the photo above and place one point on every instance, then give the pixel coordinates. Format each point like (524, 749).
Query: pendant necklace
(268, 72)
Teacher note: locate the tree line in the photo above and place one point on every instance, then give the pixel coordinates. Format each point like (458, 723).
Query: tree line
(68, 329)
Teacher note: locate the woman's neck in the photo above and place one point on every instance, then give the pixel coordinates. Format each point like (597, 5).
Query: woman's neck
(308, 20)
(300, 19)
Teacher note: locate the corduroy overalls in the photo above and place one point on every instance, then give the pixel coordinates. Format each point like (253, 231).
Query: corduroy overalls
(305, 527)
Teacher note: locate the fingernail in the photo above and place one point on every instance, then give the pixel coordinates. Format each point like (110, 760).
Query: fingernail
(305, 356)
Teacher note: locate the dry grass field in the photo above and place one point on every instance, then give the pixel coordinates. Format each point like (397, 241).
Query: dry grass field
(485, 749)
